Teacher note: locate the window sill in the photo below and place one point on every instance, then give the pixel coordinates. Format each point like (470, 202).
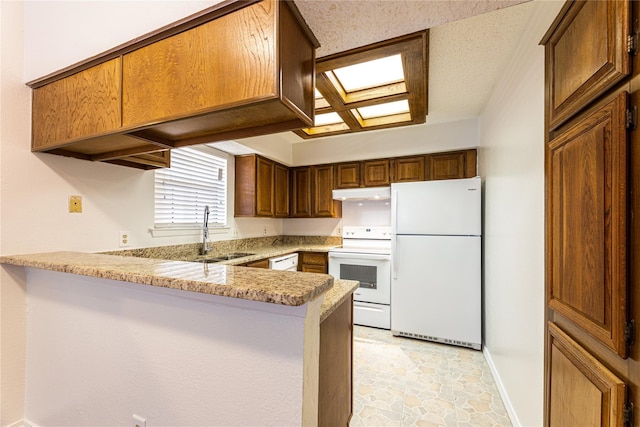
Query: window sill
(185, 231)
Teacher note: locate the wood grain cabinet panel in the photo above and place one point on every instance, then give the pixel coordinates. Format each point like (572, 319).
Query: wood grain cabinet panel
(587, 226)
(335, 391)
(82, 105)
(234, 70)
(586, 54)
(265, 187)
(376, 173)
(408, 169)
(224, 62)
(261, 187)
(348, 175)
(281, 178)
(300, 190)
(322, 194)
(314, 262)
(446, 166)
(582, 392)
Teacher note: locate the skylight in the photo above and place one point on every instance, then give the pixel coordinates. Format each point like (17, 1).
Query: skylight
(381, 110)
(378, 86)
(370, 74)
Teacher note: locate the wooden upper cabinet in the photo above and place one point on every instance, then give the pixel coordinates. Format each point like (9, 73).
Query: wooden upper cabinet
(446, 166)
(597, 395)
(228, 61)
(265, 187)
(300, 190)
(83, 105)
(587, 224)
(348, 175)
(261, 187)
(586, 54)
(375, 173)
(323, 204)
(408, 169)
(281, 197)
(234, 70)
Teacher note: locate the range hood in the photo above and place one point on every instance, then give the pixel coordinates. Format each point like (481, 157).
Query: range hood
(370, 193)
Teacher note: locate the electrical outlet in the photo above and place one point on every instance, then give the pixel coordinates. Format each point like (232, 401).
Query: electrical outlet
(235, 232)
(75, 204)
(339, 231)
(264, 232)
(138, 421)
(124, 239)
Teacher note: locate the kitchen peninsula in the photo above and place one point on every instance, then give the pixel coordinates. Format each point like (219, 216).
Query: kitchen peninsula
(179, 343)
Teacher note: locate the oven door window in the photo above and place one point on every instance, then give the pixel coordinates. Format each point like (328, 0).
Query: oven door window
(365, 274)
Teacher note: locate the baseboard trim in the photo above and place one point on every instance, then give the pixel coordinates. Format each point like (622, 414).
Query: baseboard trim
(22, 423)
(503, 392)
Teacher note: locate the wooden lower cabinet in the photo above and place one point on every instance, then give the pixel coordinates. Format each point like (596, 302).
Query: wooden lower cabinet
(261, 263)
(335, 394)
(313, 262)
(583, 391)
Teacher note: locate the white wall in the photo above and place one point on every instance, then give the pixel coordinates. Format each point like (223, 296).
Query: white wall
(511, 159)
(403, 141)
(100, 351)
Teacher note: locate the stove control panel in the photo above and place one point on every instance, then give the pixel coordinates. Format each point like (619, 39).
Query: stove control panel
(367, 232)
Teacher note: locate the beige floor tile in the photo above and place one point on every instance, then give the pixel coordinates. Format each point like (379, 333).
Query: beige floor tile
(406, 382)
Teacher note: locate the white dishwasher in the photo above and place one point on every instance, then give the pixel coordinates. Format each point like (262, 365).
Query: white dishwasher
(287, 262)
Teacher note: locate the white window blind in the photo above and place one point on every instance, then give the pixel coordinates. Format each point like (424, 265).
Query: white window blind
(197, 178)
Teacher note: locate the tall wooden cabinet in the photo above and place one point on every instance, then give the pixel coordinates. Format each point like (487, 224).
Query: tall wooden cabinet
(261, 187)
(592, 179)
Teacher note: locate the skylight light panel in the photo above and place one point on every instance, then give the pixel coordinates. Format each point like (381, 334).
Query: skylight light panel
(382, 110)
(370, 74)
(327, 119)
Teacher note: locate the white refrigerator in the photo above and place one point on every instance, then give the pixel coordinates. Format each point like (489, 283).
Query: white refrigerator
(436, 261)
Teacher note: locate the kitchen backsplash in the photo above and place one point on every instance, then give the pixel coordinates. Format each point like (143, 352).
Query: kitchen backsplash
(187, 251)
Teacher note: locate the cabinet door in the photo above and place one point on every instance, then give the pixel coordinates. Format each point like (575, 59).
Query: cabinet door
(261, 263)
(408, 169)
(323, 203)
(586, 54)
(314, 262)
(281, 178)
(348, 175)
(596, 396)
(82, 105)
(446, 166)
(172, 78)
(300, 192)
(264, 187)
(587, 224)
(376, 173)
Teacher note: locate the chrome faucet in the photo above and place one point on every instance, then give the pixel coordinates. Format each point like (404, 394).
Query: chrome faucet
(205, 232)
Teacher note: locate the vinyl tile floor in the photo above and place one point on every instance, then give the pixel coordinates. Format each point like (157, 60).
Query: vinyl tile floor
(405, 382)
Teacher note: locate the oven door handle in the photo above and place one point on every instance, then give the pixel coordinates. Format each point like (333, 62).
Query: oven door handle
(363, 257)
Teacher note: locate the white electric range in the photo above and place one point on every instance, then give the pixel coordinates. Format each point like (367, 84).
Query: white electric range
(365, 256)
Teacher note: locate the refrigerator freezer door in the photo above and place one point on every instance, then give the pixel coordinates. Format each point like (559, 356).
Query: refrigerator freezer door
(447, 207)
(436, 289)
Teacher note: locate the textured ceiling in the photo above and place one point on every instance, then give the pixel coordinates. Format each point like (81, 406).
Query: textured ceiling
(340, 25)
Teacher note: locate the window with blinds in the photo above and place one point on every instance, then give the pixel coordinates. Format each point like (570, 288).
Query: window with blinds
(197, 178)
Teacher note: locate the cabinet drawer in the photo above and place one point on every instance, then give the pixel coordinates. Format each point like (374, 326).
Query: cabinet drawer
(317, 258)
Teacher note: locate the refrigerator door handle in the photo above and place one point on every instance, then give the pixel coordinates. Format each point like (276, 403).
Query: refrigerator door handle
(394, 231)
(394, 256)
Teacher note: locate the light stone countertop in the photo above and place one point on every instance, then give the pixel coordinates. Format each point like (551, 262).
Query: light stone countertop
(256, 284)
(341, 291)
